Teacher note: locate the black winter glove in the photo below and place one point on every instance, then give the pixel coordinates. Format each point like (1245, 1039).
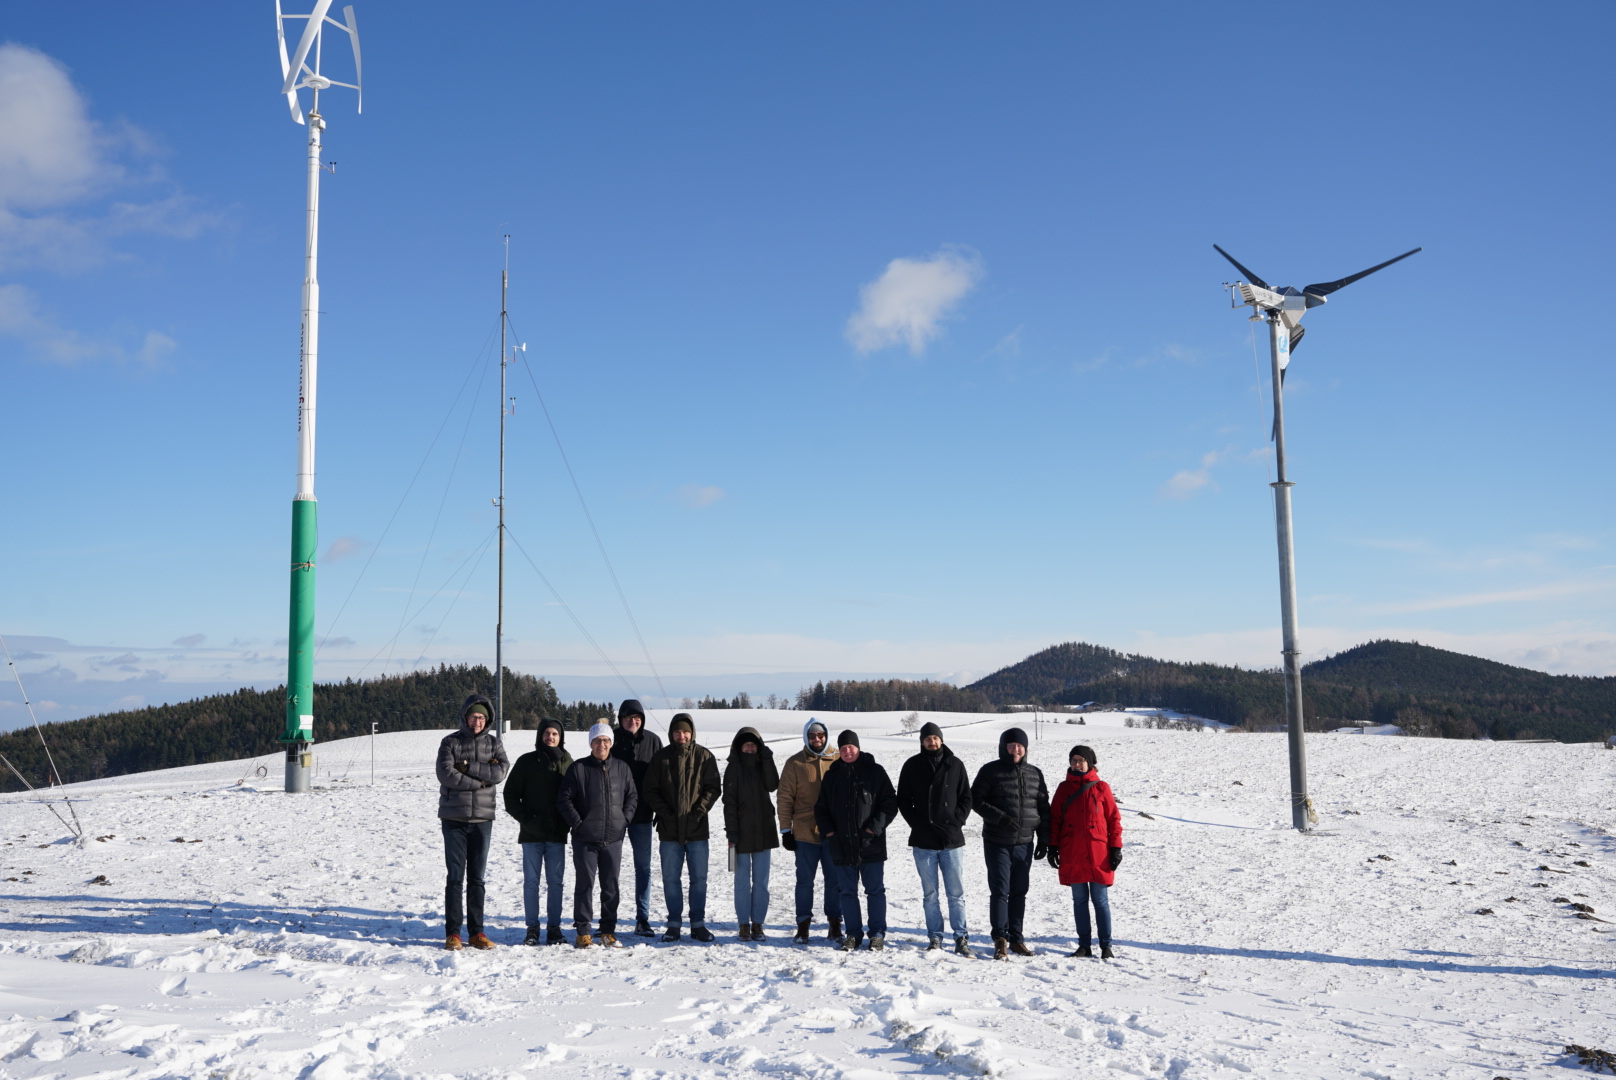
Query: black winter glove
(1116, 858)
(1040, 852)
(1054, 857)
(788, 841)
(461, 767)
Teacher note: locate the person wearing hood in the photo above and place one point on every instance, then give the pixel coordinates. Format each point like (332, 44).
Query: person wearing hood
(682, 786)
(749, 779)
(635, 745)
(856, 803)
(531, 792)
(1013, 800)
(597, 801)
(470, 763)
(799, 833)
(934, 796)
(1085, 845)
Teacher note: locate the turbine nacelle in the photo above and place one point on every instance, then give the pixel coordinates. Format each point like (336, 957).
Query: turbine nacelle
(1290, 303)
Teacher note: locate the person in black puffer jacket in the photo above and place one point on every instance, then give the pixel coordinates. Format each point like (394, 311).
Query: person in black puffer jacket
(1013, 800)
(635, 744)
(470, 763)
(934, 796)
(749, 779)
(597, 801)
(856, 803)
(530, 797)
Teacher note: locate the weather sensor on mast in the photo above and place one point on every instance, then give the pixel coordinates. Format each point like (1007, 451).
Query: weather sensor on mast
(302, 71)
(1283, 309)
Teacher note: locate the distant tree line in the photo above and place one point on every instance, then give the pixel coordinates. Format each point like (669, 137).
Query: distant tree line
(887, 695)
(1426, 691)
(248, 723)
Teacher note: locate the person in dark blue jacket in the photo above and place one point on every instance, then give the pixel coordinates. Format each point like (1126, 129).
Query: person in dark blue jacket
(597, 801)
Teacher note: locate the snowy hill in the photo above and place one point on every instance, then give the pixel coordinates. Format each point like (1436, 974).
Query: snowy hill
(299, 936)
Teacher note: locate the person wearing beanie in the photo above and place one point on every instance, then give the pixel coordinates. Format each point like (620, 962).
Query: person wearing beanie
(934, 796)
(800, 780)
(1085, 845)
(531, 792)
(597, 800)
(1013, 801)
(749, 779)
(682, 786)
(635, 745)
(471, 761)
(856, 803)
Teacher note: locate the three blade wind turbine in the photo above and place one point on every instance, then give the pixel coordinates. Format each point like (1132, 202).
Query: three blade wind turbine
(302, 71)
(1283, 309)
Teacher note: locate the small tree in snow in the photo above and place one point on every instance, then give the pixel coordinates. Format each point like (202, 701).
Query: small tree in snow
(911, 722)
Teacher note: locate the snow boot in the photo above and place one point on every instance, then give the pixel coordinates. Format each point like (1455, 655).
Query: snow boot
(934, 945)
(1106, 953)
(452, 942)
(962, 947)
(849, 943)
(1001, 949)
(877, 942)
(642, 928)
(801, 937)
(746, 932)
(480, 941)
(701, 934)
(554, 936)
(757, 932)
(1082, 951)
(835, 931)
(672, 935)
(534, 936)
(582, 940)
(1020, 948)
(610, 941)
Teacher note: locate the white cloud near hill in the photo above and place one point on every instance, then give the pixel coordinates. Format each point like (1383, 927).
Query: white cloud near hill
(907, 304)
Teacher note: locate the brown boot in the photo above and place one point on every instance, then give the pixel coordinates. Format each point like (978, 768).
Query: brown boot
(746, 932)
(582, 941)
(835, 931)
(610, 941)
(1020, 948)
(801, 937)
(452, 942)
(757, 932)
(480, 941)
(1001, 949)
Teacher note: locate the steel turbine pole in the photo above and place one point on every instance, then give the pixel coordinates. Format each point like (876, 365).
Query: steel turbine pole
(499, 624)
(299, 734)
(1301, 805)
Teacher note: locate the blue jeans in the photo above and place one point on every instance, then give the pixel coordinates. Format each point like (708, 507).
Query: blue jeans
(1082, 893)
(752, 888)
(465, 852)
(810, 857)
(951, 861)
(874, 876)
(674, 855)
(639, 838)
(1009, 877)
(547, 860)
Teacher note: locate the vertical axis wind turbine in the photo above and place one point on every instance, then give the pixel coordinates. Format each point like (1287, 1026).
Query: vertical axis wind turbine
(302, 71)
(1283, 309)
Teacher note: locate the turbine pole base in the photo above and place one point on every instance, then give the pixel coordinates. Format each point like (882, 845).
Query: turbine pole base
(299, 767)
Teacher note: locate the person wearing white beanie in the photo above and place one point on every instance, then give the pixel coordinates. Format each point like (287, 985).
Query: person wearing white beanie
(597, 801)
(601, 730)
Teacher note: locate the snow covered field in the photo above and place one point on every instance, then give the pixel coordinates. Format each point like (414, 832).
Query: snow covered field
(301, 936)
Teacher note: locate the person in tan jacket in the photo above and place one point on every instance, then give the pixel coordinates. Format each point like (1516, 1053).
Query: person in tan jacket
(800, 778)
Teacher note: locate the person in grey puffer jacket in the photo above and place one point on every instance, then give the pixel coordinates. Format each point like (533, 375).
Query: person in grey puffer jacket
(470, 763)
(597, 801)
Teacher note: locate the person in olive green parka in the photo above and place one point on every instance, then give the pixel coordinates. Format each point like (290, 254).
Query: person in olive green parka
(530, 798)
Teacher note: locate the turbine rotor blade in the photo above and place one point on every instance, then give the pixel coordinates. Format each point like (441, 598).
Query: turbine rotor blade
(358, 68)
(1253, 278)
(1328, 287)
(286, 66)
(310, 33)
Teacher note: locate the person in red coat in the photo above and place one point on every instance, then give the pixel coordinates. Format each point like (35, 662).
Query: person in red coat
(1085, 845)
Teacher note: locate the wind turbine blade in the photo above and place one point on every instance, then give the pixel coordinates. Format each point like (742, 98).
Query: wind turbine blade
(1296, 339)
(310, 33)
(286, 65)
(1328, 287)
(1253, 278)
(358, 71)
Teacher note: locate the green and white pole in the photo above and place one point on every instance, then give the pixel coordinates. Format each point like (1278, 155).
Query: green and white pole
(299, 734)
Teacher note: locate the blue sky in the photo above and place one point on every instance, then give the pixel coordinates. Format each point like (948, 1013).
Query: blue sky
(882, 338)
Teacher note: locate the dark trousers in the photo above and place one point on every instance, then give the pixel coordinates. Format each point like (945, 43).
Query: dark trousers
(811, 860)
(465, 850)
(1009, 876)
(590, 861)
(640, 838)
(874, 877)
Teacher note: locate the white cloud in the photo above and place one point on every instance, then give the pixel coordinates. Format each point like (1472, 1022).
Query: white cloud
(50, 153)
(697, 496)
(1186, 482)
(24, 318)
(908, 302)
(343, 547)
(190, 641)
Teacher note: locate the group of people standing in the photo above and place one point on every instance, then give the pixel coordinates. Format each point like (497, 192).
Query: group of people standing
(830, 807)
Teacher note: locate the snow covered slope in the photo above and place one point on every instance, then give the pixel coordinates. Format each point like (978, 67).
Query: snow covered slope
(299, 936)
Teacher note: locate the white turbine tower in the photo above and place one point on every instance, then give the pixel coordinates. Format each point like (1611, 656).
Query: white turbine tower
(1283, 309)
(301, 71)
